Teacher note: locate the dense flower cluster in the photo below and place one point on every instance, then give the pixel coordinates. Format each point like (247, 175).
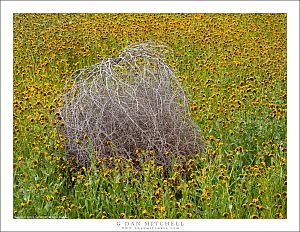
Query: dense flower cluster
(232, 65)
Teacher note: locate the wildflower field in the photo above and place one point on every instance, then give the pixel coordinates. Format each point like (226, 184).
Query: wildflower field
(233, 67)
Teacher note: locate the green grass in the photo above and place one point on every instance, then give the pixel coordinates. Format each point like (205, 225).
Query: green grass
(232, 65)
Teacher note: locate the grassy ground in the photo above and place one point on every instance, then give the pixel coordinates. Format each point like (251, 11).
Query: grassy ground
(233, 66)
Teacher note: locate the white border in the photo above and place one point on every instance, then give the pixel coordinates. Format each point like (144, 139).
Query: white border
(149, 6)
(7, 10)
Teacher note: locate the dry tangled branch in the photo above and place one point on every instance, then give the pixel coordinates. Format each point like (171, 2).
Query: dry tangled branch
(132, 101)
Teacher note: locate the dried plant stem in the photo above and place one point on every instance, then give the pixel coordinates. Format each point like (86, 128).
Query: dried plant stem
(130, 102)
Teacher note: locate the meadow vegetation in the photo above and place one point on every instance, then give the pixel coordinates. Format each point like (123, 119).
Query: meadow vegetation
(233, 66)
